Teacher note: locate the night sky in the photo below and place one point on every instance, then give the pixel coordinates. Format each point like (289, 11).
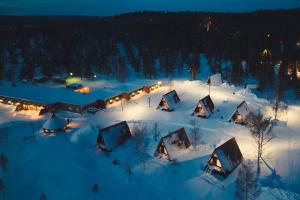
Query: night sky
(112, 7)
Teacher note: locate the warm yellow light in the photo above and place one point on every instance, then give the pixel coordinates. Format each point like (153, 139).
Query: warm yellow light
(159, 82)
(117, 98)
(110, 101)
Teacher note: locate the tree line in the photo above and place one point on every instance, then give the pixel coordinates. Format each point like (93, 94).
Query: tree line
(154, 44)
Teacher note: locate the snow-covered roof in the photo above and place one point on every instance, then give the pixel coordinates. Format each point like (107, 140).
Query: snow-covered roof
(207, 104)
(242, 109)
(176, 143)
(215, 80)
(49, 94)
(171, 98)
(115, 135)
(229, 155)
(54, 123)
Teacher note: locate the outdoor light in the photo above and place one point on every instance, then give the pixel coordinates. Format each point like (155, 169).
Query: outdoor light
(71, 74)
(117, 98)
(159, 82)
(110, 101)
(95, 76)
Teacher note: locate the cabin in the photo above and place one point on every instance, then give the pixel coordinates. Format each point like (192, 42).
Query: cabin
(225, 158)
(169, 101)
(204, 107)
(173, 144)
(240, 114)
(215, 80)
(113, 136)
(54, 124)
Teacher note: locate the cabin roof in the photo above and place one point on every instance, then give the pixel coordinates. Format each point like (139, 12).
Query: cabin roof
(242, 109)
(229, 155)
(169, 98)
(171, 143)
(115, 135)
(215, 80)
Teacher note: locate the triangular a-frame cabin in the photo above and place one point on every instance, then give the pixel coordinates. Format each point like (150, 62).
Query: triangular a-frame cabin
(225, 158)
(204, 107)
(169, 101)
(215, 80)
(240, 114)
(113, 136)
(173, 144)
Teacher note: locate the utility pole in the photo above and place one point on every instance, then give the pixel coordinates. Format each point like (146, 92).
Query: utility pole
(122, 104)
(149, 101)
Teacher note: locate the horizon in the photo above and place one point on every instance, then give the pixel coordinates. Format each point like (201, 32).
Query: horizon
(117, 7)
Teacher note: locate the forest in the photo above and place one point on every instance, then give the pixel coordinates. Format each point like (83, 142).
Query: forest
(155, 44)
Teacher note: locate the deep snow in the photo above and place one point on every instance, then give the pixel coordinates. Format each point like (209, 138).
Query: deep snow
(67, 166)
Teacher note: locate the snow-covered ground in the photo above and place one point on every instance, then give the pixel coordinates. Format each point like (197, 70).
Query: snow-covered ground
(67, 166)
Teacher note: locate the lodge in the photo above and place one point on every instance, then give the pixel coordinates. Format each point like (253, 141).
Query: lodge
(23, 104)
(69, 101)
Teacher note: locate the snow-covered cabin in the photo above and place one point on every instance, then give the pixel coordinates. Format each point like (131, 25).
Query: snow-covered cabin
(215, 80)
(113, 136)
(169, 101)
(54, 124)
(173, 144)
(240, 114)
(204, 107)
(225, 158)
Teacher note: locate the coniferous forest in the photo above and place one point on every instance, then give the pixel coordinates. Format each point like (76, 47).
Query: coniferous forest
(155, 44)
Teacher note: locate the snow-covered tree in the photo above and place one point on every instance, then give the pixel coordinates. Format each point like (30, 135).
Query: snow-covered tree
(246, 182)
(128, 170)
(140, 143)
(156, 132)
(195, 133)
(261, 135)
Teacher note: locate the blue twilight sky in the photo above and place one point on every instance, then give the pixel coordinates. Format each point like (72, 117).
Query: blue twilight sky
(112, 7)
